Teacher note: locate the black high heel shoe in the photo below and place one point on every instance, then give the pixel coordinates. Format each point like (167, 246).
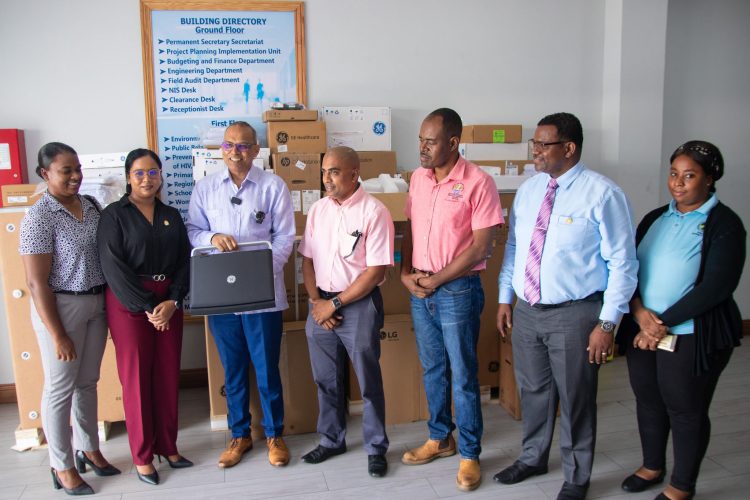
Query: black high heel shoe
(152, 478)
(82, 460)
(81, 489)
(182, 463)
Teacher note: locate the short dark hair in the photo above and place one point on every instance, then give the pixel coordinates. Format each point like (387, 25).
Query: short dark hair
(704, 154)
(47, 154)
(568, 128)
(244, 124)
(135, 155)
(451, 121)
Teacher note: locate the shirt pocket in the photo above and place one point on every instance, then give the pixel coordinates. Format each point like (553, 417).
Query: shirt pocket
(571, 232)
(455, 214)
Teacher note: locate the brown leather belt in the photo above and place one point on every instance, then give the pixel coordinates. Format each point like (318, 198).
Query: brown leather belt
(429, 273)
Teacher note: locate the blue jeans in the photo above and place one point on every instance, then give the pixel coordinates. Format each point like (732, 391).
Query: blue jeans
(446, 326)
(240, 338)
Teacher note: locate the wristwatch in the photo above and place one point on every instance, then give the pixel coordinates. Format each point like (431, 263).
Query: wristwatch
(337, 303)
(177, 304)
(607, 326)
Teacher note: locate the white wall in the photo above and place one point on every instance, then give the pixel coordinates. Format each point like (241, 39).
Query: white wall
(707, 96)
(78, 73)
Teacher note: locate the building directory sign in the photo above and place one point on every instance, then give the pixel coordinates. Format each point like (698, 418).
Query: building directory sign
(205, 69)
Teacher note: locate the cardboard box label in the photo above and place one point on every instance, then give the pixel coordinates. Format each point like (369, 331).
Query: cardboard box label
(300, 165)
(296, 201)
(498, 135)
(309, 196)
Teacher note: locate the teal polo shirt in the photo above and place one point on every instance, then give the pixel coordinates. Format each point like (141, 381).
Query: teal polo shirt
(670, 256)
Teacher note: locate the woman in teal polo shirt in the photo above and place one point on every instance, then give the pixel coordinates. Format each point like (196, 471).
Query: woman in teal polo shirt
(684, 323)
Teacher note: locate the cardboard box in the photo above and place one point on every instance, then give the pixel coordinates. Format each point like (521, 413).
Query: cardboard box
(299, 170)
(395, 202)
(488, 346)
(296, 293)
(360, 128)
(12, 158)
(395, 295)
(19, 195)
(491, 134)
(405, 400)
(505, 167)
(374, 163)
(498, 151)
(297, 137)
(290, 115)
(300, 391)
(509, 398)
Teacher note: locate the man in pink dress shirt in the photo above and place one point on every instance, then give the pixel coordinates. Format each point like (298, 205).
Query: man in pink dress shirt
(347, 244)
(453, 207)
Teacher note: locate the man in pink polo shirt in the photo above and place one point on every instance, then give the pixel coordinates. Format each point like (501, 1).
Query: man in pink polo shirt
(453, 207)
(348, 243)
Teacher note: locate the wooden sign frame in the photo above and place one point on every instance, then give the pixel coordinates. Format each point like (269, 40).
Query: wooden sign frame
(148, 6)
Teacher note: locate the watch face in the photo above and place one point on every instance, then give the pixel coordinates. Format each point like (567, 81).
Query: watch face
(607, 326)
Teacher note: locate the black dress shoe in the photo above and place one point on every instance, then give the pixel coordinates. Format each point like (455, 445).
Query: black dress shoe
(518, 472)
(152, 478)
(181, 463)
(321, 454)
(636, 484)
(571, 491)
(377, 465)
(82, 460)
(81, 489)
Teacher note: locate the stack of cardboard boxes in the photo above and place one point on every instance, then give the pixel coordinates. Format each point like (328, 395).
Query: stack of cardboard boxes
(297, 140)
(500, 151)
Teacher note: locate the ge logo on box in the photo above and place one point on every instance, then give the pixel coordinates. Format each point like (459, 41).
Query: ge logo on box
(378, 128)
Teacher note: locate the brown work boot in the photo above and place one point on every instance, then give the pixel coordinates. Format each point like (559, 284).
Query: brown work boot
(429, 451)
(278, 453)
(233, 454)
(469, 476)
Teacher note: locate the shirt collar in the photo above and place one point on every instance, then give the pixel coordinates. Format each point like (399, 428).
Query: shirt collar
(252, 175)
(357, 195)
(125, 200)
(566, 179)
(456, 173)
(704, 209)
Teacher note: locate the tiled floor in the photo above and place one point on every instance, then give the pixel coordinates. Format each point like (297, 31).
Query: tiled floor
(725, 473)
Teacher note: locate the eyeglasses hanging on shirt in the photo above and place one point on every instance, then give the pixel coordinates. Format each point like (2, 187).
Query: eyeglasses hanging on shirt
(350, 239)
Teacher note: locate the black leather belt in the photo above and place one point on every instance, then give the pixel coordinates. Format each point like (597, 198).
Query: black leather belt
(153, 277)
(94, 290)
(591, 298)
(327, 295)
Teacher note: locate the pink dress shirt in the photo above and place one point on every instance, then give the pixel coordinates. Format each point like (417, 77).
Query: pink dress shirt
(443, 215)
(331, 239)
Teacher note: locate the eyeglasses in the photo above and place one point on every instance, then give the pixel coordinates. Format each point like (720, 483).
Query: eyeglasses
(241, 147)
(543, 145)
(141, 174)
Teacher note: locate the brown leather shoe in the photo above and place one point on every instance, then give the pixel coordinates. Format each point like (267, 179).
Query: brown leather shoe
(429, 451)
(469, 476)
(278, 453)
(233, 454)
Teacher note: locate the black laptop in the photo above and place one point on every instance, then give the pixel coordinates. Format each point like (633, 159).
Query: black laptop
(231, 282)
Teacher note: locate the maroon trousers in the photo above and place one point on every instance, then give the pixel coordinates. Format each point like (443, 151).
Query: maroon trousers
(148, 363)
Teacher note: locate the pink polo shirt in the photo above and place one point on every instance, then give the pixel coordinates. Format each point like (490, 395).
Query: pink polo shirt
(443, 215)
(330, 242)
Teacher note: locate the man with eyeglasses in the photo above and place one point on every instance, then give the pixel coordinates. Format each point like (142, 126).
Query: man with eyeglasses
(453, 207)
(241, 204)
(570, 260)
(347, 244)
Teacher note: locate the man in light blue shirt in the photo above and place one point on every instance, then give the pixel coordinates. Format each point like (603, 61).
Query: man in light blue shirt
(242, 204)
(574, 271)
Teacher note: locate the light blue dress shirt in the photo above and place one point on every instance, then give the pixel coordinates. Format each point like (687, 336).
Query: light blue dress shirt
(211, 211)
(590, 244)
(670, 257)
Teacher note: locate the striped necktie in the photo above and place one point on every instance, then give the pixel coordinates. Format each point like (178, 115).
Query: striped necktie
(532, 289)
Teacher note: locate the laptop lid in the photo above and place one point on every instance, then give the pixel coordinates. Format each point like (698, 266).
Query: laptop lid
(231, 282)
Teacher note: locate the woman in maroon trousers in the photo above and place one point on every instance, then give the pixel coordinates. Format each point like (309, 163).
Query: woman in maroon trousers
(144, 251)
